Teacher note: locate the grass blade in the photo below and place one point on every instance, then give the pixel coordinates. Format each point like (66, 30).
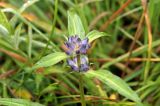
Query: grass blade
(17, 102)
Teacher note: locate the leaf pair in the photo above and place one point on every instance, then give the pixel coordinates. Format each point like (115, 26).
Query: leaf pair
(75, 27)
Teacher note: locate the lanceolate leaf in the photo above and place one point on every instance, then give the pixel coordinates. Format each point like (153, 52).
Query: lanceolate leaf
(17, 102)
(75, 26)
(49, 88)
(4, 24)
(3, 30)
(95, 34)
(115, 83)
(50, 59)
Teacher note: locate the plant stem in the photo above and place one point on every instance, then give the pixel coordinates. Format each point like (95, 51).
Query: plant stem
(81, 90)
(83, 103)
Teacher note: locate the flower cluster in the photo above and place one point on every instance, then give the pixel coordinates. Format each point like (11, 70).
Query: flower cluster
(76, 45)
(77, 48)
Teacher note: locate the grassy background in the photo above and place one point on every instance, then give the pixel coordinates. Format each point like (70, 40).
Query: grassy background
(131, 52)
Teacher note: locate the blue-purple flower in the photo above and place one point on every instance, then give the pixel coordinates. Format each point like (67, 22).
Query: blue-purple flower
(83, 66)
(73, 63)
(76, 46)
(77, 49)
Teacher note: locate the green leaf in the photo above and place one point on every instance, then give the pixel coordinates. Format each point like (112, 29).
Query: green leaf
(3, 30)
(94, 35)
(115, 83)
(4, 44)
(5, 27)
(49, 88)
(17, 102)
(50, 59)
(17, 35)
(75, 26)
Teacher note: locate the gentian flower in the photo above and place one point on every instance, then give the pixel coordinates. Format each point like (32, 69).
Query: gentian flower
(83, 66)
(73, 64)
(76, 46)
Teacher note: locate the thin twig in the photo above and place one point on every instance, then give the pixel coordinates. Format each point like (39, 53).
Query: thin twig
(137, 36)
(105, 25)
(14, 55)
(147, 20)
(131, 59)
(6, 74)
(96, 19)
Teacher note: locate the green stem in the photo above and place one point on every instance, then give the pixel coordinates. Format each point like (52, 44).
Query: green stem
(81, 90)
(53, 29)
(81, 83)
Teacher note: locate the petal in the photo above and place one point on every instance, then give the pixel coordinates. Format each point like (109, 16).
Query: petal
(76, 40)
(83, 51)
(84, 67)
(73, 64)
(85, 41)
(79, 42)
(84, 60)
(75, 68)
(84, 63)
(75, 61)
(84, 46)
(69, 45)
(76, 37)
(70, 39)
(70, 62)
(68, 52)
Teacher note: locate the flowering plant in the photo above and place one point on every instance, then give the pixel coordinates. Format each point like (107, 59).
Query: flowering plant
(77, 45)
